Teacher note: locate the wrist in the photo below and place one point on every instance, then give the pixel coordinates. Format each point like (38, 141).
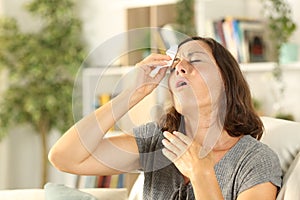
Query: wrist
(134, 96)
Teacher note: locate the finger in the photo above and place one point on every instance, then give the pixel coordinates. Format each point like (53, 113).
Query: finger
(161, 73)
(171, 147)
(175, 141)
(156, 56)
(152, 63)
(171, 156)
(183, 137)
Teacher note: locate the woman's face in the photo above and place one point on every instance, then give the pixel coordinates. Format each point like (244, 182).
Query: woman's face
(195, 81)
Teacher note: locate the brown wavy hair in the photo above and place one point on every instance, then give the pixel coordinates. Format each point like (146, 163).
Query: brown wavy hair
(240, 117)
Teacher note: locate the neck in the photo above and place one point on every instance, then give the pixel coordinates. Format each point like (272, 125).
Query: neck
(209, 131)
(196, 125)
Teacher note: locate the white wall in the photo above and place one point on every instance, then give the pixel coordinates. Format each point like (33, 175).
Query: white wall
(15, 8)
(4, 163)
(23, 158)
(266, 89)
(20, 160)
(101, 20)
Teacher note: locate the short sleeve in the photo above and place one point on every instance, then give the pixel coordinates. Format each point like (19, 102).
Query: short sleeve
(149, 141)
(263, 167)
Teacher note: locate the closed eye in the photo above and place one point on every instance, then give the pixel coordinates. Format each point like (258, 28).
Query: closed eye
(193, 61)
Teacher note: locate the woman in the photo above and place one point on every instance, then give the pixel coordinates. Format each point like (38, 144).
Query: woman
(205, 147)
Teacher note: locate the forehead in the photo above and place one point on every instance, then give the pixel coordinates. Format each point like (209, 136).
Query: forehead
(194, 46)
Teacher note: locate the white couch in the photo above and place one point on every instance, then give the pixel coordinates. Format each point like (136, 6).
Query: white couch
(281, 135)
(39, 194)
(284, 138)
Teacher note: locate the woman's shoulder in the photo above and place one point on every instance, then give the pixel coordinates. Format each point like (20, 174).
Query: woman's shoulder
(259, 164)
(261, 159)
(150, 129)
(148, 135)
(256, 148)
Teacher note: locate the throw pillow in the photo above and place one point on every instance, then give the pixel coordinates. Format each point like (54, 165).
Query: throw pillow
(61, 192)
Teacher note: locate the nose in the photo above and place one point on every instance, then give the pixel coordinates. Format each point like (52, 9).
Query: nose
(181, 68)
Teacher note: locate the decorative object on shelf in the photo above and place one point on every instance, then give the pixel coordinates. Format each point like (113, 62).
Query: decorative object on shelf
(281, 27)
(41, 69)
(185, 20)
(289, 53)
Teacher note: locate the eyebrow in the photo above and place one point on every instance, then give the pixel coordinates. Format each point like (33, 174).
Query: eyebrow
(196, 52)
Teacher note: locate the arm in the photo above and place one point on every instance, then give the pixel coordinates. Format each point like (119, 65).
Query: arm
(83, 148)
(205, 186)
(263, 191)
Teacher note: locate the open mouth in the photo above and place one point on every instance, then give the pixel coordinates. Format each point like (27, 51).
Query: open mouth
(180, 84)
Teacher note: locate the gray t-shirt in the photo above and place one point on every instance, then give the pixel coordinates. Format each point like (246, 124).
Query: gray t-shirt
(245, 165)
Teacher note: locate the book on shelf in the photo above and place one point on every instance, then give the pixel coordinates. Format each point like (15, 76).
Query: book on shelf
(104, 181)
(244, 38)
(86, 181)
(111, 181)
(218, 31)
(108, 181)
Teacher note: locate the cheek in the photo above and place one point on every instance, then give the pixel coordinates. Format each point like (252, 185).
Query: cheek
(211, 82)
(171, 82)
(200, 86)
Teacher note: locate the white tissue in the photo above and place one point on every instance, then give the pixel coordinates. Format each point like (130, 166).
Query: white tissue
(170, 52)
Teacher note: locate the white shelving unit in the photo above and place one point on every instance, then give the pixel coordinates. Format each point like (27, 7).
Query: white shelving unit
(97, 81)
(208, 10)
(111, 81)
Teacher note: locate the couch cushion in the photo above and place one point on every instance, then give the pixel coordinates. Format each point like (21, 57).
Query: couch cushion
(108, 193)
(61, 192)
(284, 138)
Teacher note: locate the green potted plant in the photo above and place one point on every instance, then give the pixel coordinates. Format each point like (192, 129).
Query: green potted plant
(280, 23)
(41, 70)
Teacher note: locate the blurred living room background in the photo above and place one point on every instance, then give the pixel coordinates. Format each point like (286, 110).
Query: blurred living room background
(274, 81)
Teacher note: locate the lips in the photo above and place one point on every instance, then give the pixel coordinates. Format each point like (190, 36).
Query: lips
(181, 83)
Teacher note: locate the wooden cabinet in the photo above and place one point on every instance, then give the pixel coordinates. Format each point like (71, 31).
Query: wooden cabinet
(142, 23)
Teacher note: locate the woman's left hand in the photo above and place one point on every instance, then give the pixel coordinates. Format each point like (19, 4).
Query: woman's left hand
(184, 153)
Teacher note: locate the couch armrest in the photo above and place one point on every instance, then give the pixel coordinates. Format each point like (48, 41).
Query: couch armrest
(107, 193)
(22, 194)
(283, 137)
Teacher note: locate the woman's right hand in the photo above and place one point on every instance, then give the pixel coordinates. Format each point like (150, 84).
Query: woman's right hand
(144, 83)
